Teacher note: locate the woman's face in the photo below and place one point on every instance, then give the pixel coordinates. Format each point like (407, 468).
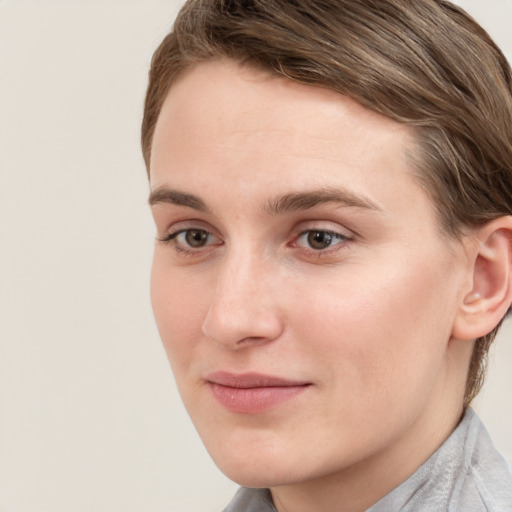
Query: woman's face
(300, 283)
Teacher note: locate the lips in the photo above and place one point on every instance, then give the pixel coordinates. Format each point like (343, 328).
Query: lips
(252, 393)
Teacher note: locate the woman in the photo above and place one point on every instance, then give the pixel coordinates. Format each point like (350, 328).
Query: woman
(332, 188)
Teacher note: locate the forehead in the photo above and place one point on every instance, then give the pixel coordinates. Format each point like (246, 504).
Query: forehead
(225, 122)
(249, 100)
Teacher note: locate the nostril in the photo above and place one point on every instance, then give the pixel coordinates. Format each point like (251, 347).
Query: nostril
(253, 340)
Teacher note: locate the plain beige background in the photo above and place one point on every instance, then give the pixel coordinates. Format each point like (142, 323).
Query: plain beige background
(89, 416)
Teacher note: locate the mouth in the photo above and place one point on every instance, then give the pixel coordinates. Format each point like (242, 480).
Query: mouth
(252, 393)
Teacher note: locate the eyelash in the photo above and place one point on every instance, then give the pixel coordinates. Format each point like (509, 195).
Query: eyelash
(170, 239)
(341, 240)
(181, 249)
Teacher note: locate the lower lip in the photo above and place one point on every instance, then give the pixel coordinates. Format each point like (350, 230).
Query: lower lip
(254, 400)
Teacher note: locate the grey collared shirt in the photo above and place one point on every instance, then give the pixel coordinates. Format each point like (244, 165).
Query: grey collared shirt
(466, 474)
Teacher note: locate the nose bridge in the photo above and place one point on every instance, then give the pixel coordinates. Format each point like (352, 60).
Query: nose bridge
(242, 275)
(243, 307)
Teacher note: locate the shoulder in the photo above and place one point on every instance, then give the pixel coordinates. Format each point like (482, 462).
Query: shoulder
(486, 480)
(465, 474)
(251, 500)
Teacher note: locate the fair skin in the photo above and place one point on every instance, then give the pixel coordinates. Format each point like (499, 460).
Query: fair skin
(294, 242)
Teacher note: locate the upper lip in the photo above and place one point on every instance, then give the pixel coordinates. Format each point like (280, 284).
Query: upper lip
(250, 380)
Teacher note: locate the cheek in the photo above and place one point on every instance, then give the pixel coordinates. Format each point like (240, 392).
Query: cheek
(377, 333)
(178, 306)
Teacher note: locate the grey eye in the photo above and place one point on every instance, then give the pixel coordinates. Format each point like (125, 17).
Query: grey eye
(196, 238)
(319, 239)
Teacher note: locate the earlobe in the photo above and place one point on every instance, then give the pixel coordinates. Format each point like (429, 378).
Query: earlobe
(490, 296)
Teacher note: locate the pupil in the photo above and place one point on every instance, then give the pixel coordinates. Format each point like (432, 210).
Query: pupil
(196, 238)
(319, 239)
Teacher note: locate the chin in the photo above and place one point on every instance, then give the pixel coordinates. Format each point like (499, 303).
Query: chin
(264, 464)
(252, 480)
(259, 475)
(246, 469)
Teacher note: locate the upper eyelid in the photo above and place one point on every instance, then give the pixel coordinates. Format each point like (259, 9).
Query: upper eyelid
(341, 238)
(299, 228)
(324, 225)
(186, 224)
(335, 231)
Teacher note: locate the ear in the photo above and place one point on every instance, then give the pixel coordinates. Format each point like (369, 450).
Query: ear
(490, 295)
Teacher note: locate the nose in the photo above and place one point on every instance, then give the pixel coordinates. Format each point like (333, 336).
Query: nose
(245, 309)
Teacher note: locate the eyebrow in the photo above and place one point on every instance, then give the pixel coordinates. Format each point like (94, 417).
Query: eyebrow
(170, 196)
(287, 203)
(297, 201)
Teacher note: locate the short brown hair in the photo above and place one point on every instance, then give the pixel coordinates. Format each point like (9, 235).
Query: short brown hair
(425, 63)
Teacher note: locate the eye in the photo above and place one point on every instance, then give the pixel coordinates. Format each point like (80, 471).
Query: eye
(194, 237)
(190, 240)
(319, 239)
